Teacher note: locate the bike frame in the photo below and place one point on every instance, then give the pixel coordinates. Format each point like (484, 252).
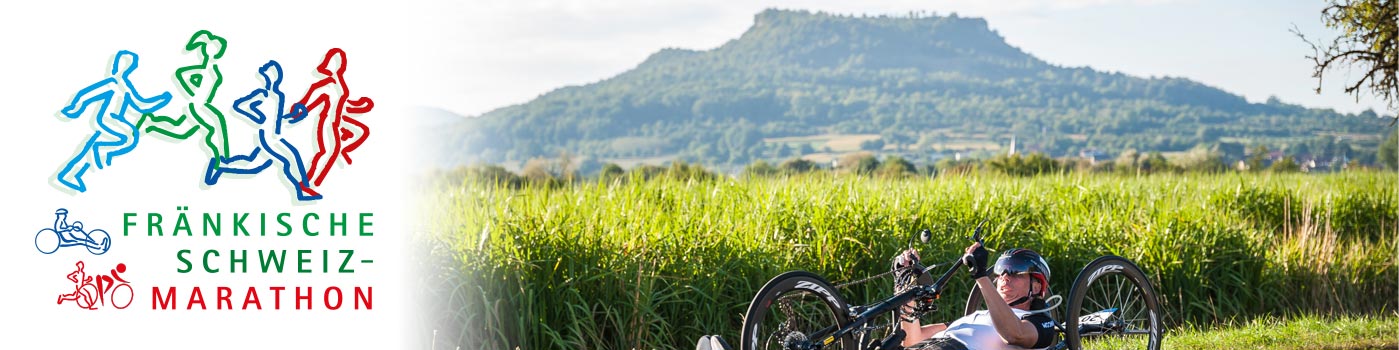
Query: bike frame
(64, 241)
(863, 314)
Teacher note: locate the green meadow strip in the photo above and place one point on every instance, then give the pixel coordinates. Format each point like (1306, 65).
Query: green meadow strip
(1295, 333)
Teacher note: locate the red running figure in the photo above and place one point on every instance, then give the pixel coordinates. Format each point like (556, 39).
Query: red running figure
(338, 132)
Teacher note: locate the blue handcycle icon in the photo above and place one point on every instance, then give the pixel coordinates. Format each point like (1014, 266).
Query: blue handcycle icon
(63, 234)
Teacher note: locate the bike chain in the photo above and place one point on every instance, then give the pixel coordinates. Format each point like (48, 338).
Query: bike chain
(870, 278)
(915, 314)
(867, 279)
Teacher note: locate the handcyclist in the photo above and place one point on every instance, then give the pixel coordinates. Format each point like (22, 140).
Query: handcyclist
(1014, 290)
(73, 231)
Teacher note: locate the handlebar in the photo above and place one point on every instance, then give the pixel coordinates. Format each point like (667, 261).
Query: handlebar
(976, 234)
(937, 286)
(935, 290)
(863, 314)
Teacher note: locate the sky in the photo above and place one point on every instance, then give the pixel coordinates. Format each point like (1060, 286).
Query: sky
(511, 51)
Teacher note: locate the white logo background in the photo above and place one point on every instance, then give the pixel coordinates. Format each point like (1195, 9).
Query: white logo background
(52, 50)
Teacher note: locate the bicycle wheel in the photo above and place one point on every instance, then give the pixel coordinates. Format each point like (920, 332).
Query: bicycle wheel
(103, 241)
(883, 326)
(87, 296)
(790, 309)
(1113, 306)
(974, 301)
(121, 296)
(47, 241)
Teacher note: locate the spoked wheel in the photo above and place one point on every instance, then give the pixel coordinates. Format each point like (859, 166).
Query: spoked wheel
(877, 329)
(1113, 306)
(793, 311)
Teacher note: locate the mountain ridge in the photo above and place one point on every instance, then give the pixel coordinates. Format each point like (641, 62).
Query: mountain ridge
(917, 81)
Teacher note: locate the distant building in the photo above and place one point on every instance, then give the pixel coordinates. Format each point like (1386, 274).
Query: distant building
(1308, 165)
(1012, 146)
(1093, 155)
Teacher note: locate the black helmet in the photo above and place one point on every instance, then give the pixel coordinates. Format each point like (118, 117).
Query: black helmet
(1021, 260)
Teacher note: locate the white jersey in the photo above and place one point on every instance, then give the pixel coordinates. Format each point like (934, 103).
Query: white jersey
(978, 333)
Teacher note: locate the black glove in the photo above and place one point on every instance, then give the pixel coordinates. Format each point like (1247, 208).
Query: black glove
(905, 259)
(976, 262)
(906, 270)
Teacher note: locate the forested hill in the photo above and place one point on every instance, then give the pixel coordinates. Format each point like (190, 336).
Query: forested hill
(813, 84)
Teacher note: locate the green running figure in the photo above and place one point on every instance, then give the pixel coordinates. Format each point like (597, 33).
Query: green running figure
(200, 82)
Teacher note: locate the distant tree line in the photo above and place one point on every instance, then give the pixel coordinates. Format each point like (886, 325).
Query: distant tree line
(561, 171)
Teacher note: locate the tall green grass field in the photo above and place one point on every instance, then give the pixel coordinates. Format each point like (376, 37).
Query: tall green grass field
(656, 263)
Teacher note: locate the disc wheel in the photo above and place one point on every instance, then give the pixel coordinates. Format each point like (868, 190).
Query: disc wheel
(791, 311)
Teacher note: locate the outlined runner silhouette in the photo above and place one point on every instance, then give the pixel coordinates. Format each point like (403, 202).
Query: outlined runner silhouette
(114, 130)
(86, 298)
(270, 141)
(336, 122)
(200, 82)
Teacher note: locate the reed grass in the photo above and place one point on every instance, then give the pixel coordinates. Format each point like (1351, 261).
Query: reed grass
(643, 264)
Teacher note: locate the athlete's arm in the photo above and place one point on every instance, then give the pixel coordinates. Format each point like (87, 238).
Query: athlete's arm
(186, 77)
(321, 99)
(248, 103)
(1012, 329)
(914, 333)
(298, 113)
(102, 89)
(147, 105)
(209, 87)
(359, 106)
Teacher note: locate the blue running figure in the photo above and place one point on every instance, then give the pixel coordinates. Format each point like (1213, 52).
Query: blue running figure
(114, 130)
(269, 134)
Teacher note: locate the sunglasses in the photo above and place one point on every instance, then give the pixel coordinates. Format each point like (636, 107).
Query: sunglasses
(1010, 266)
